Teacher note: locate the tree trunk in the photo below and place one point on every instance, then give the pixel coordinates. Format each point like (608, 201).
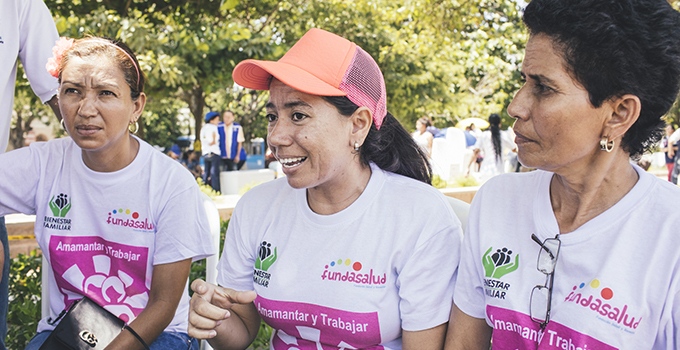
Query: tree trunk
(196, 101)
(196, 104)
(16, 135)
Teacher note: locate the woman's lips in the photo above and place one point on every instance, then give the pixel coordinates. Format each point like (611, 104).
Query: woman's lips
(520, 139)
(87, 130)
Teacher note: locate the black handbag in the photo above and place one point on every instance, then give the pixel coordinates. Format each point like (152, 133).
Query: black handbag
(85, 326)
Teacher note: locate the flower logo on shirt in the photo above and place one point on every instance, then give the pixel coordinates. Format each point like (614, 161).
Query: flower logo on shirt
(500, 263)
(60, 206)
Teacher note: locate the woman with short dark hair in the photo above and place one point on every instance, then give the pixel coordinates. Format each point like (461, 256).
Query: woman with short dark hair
(582, 253)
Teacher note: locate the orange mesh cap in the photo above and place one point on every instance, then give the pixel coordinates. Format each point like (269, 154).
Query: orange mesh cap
(323, 64)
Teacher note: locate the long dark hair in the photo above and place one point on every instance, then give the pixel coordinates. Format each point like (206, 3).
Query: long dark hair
(495, 128)
(391, 148)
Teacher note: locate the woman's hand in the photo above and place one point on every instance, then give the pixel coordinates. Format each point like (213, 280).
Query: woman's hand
(227, 315)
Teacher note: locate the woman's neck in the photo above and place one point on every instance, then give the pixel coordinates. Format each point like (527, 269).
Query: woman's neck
(334, 197)
(114, 158)
(578, 197)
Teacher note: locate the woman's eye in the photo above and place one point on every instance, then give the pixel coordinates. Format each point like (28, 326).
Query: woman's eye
(271, 118)
(298, 116)
(107, 93)
(70, 91)
(541, 89)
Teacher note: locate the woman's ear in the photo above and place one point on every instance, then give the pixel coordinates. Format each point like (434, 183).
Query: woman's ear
(624, 113)
(139, 104)
(361, 124)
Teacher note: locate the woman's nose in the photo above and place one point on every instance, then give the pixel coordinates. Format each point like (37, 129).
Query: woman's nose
(278, 134)
(88, 107)
(518, 106)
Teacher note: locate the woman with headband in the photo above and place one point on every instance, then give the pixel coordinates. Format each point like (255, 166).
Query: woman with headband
(118, 221)
(353, 248)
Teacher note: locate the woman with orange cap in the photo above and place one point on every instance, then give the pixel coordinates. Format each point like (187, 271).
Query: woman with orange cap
(357, 250)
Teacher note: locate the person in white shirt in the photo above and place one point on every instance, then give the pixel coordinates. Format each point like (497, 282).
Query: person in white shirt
(354, 248)
(210, 147)
(494, 144)
(117, 220)
(27, 33)
(581, 253)
(423, 137)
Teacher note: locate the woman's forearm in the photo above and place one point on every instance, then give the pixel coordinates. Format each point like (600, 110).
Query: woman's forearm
(148, 325)
(167, 287)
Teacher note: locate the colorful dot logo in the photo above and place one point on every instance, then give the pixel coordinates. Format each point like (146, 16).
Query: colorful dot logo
(135, 215)
(356, 266)
(605, 293)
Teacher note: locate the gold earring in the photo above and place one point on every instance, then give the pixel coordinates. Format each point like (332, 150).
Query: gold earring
(606, 145)
(356, 145)
(136, 127)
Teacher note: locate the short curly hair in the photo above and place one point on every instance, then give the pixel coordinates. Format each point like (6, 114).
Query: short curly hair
(617, 47)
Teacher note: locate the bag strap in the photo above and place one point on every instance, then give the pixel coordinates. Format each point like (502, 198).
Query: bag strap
(136, 336)
(62, 313)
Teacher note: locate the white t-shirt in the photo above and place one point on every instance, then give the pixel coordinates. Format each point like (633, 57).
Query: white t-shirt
(616, 282)
(353, 279)
(422, 140)
(492, 166)
(675, 137)
(208, 131)
(27, 31)
(103, 232)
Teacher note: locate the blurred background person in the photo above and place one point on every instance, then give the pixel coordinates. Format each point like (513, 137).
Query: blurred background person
(192, 160)
(231, 142)
(423, 137)
(669, 148)
(493, 144)
(210, 147)
(470, 139)
(175, 153)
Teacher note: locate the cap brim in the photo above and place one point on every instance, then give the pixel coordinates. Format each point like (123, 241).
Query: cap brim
(256, 75)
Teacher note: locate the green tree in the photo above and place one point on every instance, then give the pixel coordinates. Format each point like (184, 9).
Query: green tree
(443, 58)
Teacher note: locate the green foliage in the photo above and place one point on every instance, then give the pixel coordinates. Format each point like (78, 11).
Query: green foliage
(248, 186)
(261, 342)
(207, 189)
(438, 182)
(464, 181)
(25, 303)
(447, 59)
(24, 299)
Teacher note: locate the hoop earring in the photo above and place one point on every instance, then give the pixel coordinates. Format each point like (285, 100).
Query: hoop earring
(606, 145)
(356, 146)
(62, 124)
(136, 127)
